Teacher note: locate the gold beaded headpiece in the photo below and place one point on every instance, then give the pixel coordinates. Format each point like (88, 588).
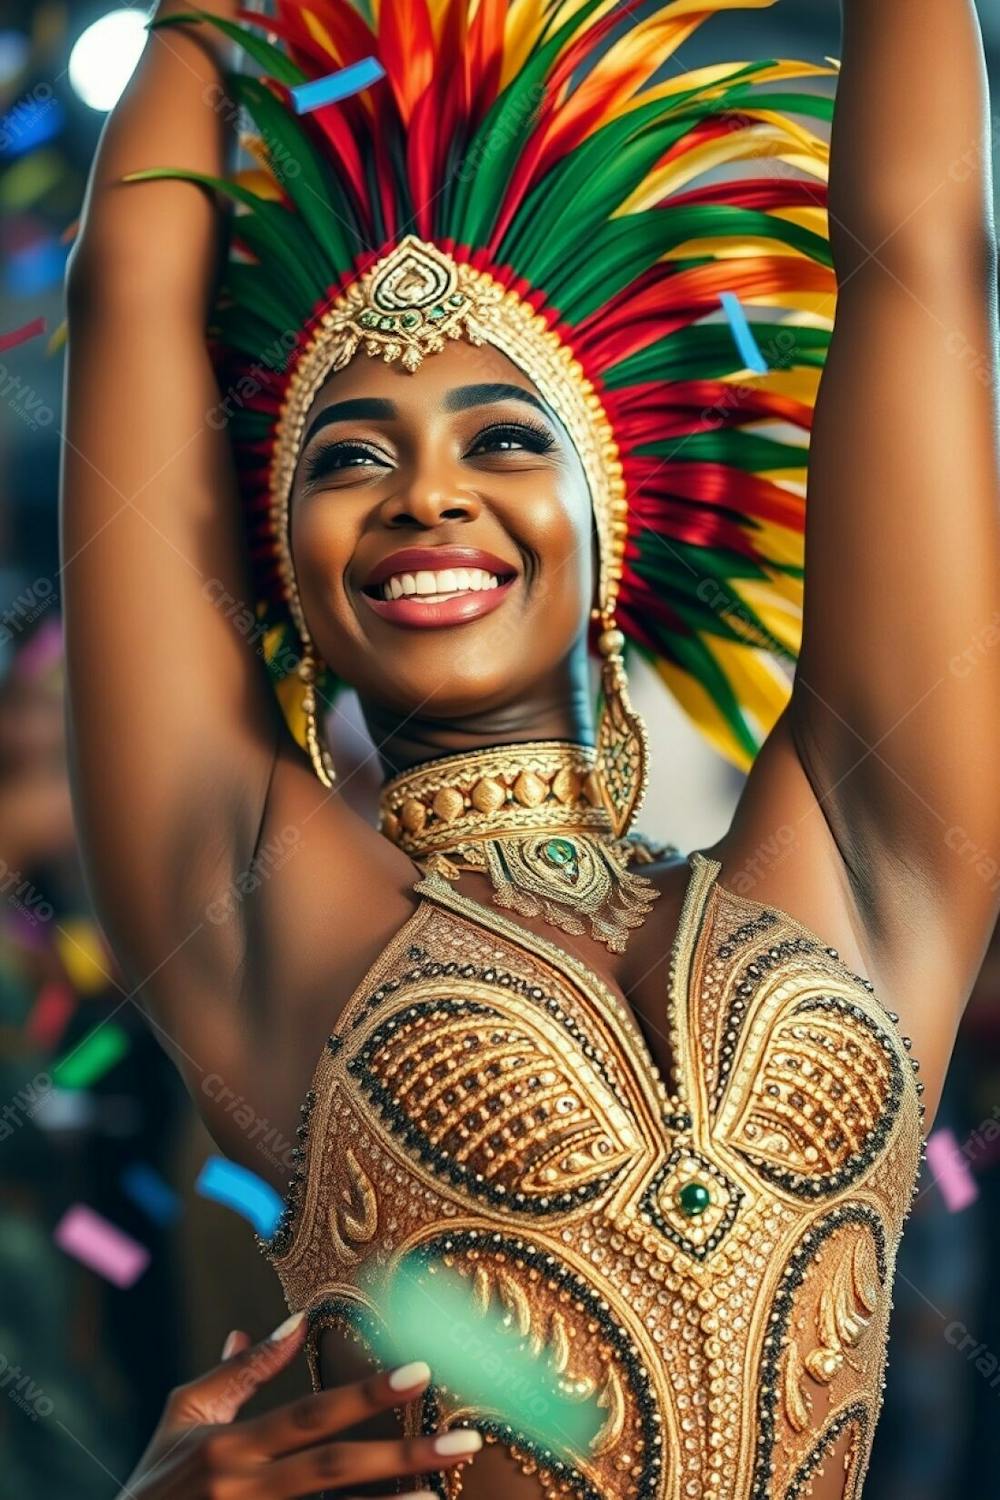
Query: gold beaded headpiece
(517, 177)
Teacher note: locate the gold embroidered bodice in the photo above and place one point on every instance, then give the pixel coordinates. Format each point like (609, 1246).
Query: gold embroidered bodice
(712, 1253)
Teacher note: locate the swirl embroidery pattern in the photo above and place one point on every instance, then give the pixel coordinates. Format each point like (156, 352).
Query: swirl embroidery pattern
(714, 1261)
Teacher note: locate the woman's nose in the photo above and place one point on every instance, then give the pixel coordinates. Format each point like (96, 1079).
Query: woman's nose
(425, 504)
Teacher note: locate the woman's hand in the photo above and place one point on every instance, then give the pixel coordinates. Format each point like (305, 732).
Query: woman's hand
(199, 1452)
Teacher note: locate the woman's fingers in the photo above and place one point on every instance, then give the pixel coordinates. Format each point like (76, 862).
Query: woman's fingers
(236, 1342)
(312, 1418)
(217, 1396)
(340, 1466)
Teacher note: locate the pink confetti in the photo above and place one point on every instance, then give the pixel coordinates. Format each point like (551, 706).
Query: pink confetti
(950, 1171)
(21, 335)
(53, 1007)
(88, 1237)
(41, 653)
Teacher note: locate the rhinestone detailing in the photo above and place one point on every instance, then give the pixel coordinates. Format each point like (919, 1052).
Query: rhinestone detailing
(489, 1101)
(533, 817)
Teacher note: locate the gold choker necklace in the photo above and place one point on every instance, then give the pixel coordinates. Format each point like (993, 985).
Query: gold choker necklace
(533, 817)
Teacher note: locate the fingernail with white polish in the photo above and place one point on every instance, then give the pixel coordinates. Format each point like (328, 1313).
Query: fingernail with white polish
(416, 1373)
(288, 1326)
(461, 1440)
(230, 1344)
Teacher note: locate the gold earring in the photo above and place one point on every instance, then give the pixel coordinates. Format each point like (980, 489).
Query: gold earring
(322, 763)
(622, 738)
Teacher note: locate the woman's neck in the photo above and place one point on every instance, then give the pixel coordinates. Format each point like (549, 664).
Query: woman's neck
(551, 711)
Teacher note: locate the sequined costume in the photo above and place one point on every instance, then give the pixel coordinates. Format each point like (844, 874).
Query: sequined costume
(715, 1251)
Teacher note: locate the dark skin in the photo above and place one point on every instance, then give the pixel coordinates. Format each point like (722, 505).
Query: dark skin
(883, 763)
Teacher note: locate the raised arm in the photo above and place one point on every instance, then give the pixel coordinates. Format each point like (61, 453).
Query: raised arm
(172, 725)
(895, 714)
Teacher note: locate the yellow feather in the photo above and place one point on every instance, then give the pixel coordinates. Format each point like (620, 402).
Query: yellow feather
(522, 26)
(290, 691)
(260, 182)
(780, 543)
(711, 82)
(759, 142)
(319, 33)
(781, 617)
(760, 684)
(702, 712)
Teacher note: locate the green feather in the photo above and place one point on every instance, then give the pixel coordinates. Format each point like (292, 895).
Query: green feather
(693, 656)
(634, 242)
(316, 193)
(271, 60)
(602, 172)
(270, 231)
(733, 446)
(510, 121)
(705, 351)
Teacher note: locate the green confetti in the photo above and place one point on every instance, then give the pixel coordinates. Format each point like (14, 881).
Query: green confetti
(481, 1357)
(98, 1052)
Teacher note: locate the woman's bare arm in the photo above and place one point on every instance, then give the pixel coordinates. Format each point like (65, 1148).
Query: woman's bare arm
(173, 728)
(896, 704)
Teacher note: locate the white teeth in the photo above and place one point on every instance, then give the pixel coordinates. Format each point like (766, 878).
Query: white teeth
(447, 583)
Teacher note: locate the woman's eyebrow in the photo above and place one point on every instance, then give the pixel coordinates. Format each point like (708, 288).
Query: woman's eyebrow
(376, 408)
(359, 408)
(464, 396)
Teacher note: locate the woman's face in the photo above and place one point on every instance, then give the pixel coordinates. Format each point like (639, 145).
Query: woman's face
(441, 533)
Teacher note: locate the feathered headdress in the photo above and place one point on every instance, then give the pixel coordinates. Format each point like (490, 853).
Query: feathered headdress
(518, 175)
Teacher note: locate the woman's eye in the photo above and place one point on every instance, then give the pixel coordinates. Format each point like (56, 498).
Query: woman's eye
(330, 458)
(510, 437)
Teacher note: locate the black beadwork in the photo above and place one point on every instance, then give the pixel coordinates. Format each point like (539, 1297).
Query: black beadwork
(804, 1185)
(781, 1311)
(647, 1485)
(281, 1239)
(648, 1204)
(748, 930)
(415, 1139)
(858, 1413)
(740, 1003)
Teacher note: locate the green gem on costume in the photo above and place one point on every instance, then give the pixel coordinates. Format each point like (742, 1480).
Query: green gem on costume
(693, 1199)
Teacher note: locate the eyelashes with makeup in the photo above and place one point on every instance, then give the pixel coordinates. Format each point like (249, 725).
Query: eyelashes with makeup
(323, 459)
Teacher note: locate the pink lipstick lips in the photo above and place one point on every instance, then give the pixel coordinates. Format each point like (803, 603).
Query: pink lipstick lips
(435, 586)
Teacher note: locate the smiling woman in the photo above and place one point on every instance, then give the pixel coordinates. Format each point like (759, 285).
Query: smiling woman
(482, 475)
(482, 418)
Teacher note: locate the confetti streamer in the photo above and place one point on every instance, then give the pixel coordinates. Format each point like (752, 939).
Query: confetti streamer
(91, 1239)
(742, 333)
(950, 1171)
(479, 1354)
(83, 954)
(242, 1190)
(91, 1057)
(146, 1187)
(53, 1007)
(336, 86)
(22, 335)
(44, 650)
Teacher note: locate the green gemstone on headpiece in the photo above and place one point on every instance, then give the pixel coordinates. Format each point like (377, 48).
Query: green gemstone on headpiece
(456, 299)
(368, 319)
(410, 319)
(437, 312)
(560, 852)
(693, 1199)
(385, 321)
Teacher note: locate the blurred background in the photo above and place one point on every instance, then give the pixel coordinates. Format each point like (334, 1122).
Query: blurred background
(100, 1134)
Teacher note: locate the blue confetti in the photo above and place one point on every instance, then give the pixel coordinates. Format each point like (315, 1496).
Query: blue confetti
(336, 86)
(146, 1187)
(742, 333)
(243, 1191)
